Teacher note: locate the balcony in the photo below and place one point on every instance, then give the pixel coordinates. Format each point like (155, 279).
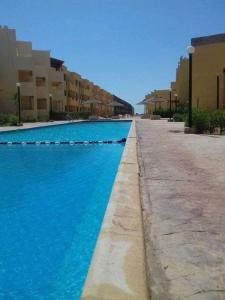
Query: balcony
(58, 94)
(40, 81)
(71, 87)
(42, 92)
(25, 75)
(56, 76)
(71, 93)
(41, 71)
(58, 106)
(27, 102)
(42, 104)
(71, 102)
(27, 89)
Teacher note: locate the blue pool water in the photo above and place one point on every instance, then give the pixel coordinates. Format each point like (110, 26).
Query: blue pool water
(85, 131)
(52, 202)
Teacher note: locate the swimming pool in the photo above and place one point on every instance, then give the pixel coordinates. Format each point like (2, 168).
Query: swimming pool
(52, 202)
(83, 131)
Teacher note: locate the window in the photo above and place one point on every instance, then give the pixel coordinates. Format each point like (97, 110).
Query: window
(41, 103)
(56, 84)
(25, 76)
(27, 102)
(40, 81)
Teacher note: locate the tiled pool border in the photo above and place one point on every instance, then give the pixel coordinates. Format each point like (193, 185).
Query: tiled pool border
(117, 270)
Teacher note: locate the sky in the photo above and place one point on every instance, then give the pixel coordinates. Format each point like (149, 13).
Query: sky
(127, 47)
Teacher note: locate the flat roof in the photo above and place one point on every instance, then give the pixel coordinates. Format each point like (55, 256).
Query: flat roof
(209, 39)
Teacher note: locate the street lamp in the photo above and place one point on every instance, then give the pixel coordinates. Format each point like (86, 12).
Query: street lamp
(176, 95)
(50, 104)
(191, 51)
(170, 105)
(18, 85)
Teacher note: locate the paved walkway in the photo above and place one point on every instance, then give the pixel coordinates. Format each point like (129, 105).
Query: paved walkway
(35, 125)
(183, 192)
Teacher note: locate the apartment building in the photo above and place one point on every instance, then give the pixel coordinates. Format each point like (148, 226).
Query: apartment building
(107, 99)
(180, 87)
(57, 85)
(125, 108)
(73, 91)
(20, 64)
(86, 90)
(47, 87)
(208, 72)
(157, 99)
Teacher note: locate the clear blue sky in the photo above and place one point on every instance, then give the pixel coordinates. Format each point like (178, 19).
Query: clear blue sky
(128, 47)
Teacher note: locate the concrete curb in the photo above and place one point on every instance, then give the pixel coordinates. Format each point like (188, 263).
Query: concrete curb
(117, 270)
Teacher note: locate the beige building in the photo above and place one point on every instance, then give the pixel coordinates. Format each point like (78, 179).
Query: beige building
(108, 99)
(47, 88)
(57, 86)
(19, 63)
(86, 94)
(73, 91)
(180, 87)
(208, 74)
(208, 64)
(160, 100)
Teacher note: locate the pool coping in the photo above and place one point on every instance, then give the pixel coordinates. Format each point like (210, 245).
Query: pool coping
(118, 270)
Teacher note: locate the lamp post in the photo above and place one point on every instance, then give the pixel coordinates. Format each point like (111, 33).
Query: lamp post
(217, 92)
(18, 85)
(170, 110)
(191, 51)
(176, 95)
(50, 104)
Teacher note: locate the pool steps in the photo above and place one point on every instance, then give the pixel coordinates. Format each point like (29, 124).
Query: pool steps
(123, 140)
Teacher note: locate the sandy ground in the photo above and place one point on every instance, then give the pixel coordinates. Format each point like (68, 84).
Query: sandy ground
(183, 194)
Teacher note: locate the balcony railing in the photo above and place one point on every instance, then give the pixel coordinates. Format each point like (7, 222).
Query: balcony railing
(56, 76)
(27, 89)
(25, 75)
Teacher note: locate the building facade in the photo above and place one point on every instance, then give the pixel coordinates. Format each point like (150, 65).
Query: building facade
(47, 87)
(19, 63)
(156, 100)
(208, 72)
(126, 107)
(180, 88)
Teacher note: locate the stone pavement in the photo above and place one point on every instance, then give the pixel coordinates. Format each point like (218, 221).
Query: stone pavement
(35, 125)
(183, 193)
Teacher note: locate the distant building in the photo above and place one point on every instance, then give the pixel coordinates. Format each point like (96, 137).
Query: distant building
(156, 100)
(126, 107)
(57, 85)
(208, 65)
(180, 88)
(47, 87)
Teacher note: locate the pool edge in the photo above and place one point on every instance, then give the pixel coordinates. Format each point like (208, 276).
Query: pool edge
(117, 270)
(38, 125)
